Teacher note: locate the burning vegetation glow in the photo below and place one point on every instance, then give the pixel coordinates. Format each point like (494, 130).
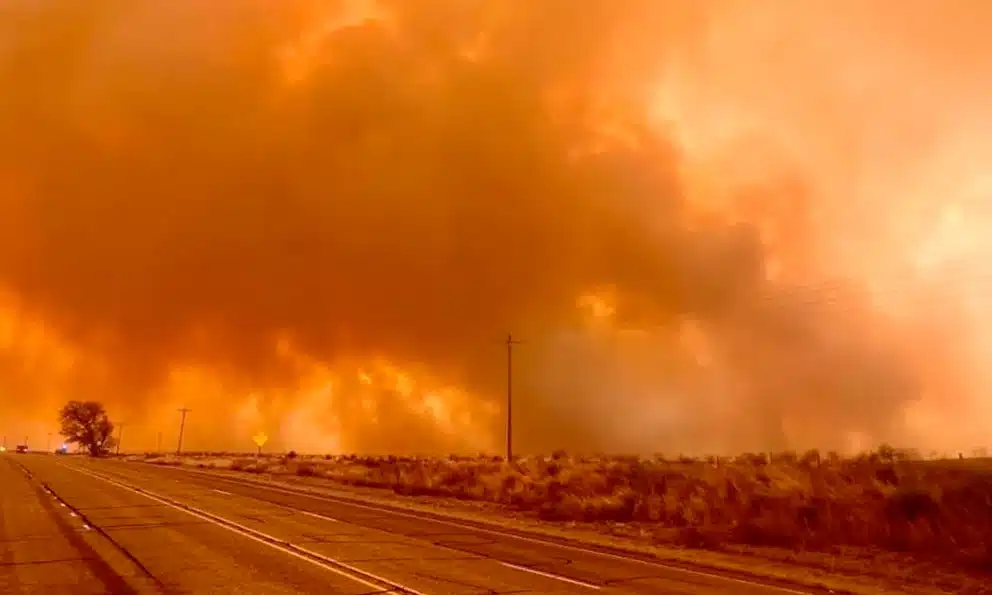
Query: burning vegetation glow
(717, 225)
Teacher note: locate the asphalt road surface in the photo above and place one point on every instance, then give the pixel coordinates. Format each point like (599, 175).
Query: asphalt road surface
(78, 526)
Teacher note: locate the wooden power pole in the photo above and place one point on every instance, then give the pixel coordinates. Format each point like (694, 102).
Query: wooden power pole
(510, 342)
(182, 426)
(120, 436)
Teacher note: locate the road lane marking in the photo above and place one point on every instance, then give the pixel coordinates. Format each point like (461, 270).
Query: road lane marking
(541, 573)
(327, 563)
(308, 513)
(557, 577)
(537, 540)
(315, 515)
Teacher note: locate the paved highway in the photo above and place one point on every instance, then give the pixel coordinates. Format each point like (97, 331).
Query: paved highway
(76, 525)
(46, 548)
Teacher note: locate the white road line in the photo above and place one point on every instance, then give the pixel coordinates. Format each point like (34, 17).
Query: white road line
(557, 577)
(507, 564)
(537, 540)
(284, 507)
(72, 514)
(286, 547)
(311, 514)
(86, 527)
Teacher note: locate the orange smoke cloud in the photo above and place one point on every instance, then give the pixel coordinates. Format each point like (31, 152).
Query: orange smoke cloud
(716, 226)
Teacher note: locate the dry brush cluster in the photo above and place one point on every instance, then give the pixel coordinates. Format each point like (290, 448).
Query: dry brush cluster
(937, 509)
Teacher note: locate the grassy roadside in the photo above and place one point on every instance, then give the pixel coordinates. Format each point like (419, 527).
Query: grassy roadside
(922, 525)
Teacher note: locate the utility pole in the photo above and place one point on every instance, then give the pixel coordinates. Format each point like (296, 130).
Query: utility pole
(510, 342)
(25, 441)
(120, 436)
(182, 426)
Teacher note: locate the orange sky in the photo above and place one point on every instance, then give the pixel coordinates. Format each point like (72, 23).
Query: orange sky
(718, 225)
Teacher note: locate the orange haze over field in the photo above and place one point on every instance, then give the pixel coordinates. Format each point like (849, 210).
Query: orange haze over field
(717, 225)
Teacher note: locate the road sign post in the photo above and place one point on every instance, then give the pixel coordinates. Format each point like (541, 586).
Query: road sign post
(260, 439)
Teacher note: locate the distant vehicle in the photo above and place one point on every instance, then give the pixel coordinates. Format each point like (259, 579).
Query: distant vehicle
(62, 450)
(21, 448)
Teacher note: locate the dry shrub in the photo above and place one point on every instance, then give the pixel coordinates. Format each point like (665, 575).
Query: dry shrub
(164, 460)
(306, 470)
(255, 465)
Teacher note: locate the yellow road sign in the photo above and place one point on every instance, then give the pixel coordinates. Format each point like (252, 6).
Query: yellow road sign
(260, 439)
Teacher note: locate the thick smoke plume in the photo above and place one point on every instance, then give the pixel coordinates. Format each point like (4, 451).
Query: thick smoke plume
(321, 219)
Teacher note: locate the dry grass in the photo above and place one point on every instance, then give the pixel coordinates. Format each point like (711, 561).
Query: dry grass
(935, 511)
